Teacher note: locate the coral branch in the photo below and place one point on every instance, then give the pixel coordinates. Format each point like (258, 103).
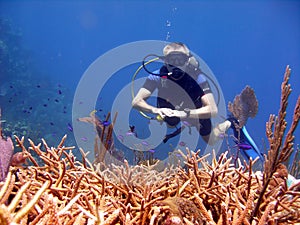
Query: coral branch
(275, 130)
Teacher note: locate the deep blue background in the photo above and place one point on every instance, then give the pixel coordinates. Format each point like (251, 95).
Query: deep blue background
(243, 42)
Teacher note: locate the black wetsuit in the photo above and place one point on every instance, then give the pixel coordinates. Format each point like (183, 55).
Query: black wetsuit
(180, 94)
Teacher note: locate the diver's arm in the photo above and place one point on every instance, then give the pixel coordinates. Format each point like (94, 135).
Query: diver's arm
(139, 102)
(209, 108)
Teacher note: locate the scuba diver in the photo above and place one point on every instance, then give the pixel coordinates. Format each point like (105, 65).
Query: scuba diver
(184, 94)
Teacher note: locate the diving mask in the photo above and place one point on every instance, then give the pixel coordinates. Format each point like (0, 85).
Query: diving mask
(176, 59)
(176, 63)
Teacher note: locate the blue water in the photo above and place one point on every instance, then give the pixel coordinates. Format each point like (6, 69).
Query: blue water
(243, 43)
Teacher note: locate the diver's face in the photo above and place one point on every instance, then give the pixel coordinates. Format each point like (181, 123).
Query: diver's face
(176, 63)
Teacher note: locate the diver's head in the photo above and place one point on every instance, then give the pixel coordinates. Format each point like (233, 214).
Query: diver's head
(176, 57)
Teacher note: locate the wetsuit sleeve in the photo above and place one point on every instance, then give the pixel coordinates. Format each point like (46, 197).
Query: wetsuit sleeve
(203, 83)
(151, 82)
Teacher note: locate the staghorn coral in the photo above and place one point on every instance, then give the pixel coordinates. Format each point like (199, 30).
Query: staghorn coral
(59, 189)
(281, 145)
(244, 105)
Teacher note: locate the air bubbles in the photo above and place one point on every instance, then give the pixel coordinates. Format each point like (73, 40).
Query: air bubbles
(168, 23)
(168, 26)
(168, 36)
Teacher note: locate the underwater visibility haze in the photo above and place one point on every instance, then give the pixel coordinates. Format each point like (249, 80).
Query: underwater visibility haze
(47, 47)
(73, 150)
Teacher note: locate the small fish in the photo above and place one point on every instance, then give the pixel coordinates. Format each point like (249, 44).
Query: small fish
(145, 143)
(59, 92)
(244, 146)
(70, 128)
(132, 128)
(84, 139)
(131, 131)
(151, 150)
(51, 123)
(45, 105)
(121, 137)
(106, 123)
(186, 123)
(182, 144)
(222, 136)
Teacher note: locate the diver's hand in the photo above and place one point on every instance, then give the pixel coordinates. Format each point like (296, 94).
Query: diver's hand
(166, 112)
(163, 112)
(179, 114)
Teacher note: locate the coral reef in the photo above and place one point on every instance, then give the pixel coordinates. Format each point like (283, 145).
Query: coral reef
(57, 188)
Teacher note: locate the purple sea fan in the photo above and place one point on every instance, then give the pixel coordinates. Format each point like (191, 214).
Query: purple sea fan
(245, 105)
(6, 152)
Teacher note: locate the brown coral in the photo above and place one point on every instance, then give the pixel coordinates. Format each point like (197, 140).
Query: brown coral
(281, 145)
(244, 105)
(59, 189)
(104, 139)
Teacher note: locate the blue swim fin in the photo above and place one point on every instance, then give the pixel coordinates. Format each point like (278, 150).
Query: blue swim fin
(245, 143)
(253, 152)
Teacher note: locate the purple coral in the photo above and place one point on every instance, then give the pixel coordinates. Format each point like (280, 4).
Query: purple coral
(6, 152)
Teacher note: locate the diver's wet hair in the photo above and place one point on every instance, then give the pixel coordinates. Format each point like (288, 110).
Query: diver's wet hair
(176, 46)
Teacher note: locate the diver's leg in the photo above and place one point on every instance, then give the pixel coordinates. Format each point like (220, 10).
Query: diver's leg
(204, 127)
(217, 132)
(205, 138)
